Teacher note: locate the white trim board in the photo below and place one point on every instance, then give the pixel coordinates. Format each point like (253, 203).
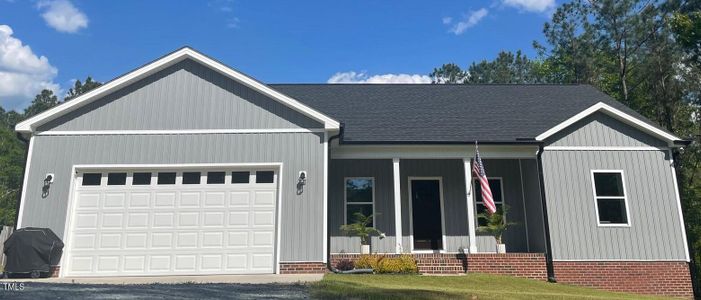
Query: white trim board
(615, 113)
(602, 148)
(181, 131)
(25, 182)
(679, 205)
(32, 123)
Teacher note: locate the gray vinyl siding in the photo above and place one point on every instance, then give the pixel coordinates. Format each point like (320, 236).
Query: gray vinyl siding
(301, 224)
(655, 232)
(600, 129)
(381, 171)
(186, 95)
(534, 206)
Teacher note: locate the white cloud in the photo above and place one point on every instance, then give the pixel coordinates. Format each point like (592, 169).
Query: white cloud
(447, 20)
(62, 15)
(362, 77)
(23, 74)
(531, 5)
(471, 19)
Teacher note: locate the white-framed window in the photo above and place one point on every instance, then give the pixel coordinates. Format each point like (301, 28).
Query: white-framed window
(497, 187)
(610, 198)
(359, 193)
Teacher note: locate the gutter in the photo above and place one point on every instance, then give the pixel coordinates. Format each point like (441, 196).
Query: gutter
(24, 174)
(328, 236)
(548, 246)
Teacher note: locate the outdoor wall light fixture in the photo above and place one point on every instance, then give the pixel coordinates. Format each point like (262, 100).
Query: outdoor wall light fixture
(48, 180)
(301, 182)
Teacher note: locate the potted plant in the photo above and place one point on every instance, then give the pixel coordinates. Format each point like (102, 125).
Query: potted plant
(361, 229)
(496, 226)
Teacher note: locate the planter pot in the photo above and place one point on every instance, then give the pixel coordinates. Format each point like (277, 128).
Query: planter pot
(364, 249)
(501, 248)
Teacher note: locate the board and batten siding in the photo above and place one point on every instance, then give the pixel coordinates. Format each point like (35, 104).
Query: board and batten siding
(186, 95)
(599, 129)
(655, 231)
(301, 224)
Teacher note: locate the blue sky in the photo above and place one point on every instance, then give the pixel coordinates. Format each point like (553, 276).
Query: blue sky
(49, 43)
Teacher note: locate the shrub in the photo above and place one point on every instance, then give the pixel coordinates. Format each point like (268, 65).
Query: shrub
(367, 262)
(404, 264)
(345, 265)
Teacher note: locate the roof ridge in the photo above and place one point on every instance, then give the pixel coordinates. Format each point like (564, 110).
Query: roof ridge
(431, 84)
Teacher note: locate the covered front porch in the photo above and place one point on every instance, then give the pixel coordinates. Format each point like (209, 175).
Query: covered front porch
(424, 198)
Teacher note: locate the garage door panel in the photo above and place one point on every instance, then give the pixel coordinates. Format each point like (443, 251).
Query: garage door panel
(172, 229)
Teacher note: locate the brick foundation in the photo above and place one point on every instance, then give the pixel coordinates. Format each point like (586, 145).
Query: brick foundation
(657, 278)
(302, 268)
(526, 265)
(54, 271)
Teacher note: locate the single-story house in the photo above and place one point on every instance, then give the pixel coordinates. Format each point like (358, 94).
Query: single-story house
(187, 166)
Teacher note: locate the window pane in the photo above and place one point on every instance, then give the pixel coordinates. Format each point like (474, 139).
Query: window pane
(612, 211)
(265, 176)
(352, 209)
(240, 177)
(92, 178)
(494, 186)
(216, 177)
(191, 177)
(116, 178)
(166, 178)
(141, 179)
(608, 184)
(359, 190)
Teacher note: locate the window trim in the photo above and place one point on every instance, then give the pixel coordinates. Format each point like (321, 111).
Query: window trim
(596, 199)
(503, 196)
(346, 203)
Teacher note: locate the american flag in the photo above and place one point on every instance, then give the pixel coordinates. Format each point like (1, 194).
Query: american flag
(478, 169)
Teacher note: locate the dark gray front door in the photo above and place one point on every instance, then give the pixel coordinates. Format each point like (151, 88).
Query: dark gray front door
(426, 214)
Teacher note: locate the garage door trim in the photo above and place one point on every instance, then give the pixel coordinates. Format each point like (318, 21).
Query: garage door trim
(76, 169)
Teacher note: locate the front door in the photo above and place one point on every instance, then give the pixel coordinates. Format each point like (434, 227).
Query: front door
(426, 214)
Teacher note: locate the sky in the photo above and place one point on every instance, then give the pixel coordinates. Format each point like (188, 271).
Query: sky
(51, 43)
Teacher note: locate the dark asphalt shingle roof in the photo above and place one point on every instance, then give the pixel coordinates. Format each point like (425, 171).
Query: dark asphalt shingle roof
(406, 113)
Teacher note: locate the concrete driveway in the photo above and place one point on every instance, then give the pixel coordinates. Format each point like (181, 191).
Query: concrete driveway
(171, 287)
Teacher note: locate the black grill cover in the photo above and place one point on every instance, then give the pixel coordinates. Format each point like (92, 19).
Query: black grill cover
(32, 249)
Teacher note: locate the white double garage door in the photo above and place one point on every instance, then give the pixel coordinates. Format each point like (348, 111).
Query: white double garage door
(172, 222)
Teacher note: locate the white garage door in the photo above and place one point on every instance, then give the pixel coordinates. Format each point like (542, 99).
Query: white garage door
(167, 222)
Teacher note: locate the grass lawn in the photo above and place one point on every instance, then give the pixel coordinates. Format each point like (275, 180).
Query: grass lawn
(471, 286)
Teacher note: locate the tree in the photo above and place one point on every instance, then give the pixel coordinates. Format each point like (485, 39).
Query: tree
(448, 73)
(506, 68)
(43, 101)
(81, 88)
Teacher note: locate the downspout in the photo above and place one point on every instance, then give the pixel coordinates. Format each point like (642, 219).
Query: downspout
(548, 246)
(24, 174)
(328, 236)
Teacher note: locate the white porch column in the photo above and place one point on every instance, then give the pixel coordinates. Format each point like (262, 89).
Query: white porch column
(397, 205)
(470, 205)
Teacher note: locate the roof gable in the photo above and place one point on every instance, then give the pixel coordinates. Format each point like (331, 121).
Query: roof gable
(32, 123)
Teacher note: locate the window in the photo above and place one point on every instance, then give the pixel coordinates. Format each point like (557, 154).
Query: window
(166, 178)
(216, 177)
(609, 193)
(92, 178)
(240, 177)
(494, 185)
(141, 179)
(360, 196)
(116, 178)
(191, 177)
(265, 176)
